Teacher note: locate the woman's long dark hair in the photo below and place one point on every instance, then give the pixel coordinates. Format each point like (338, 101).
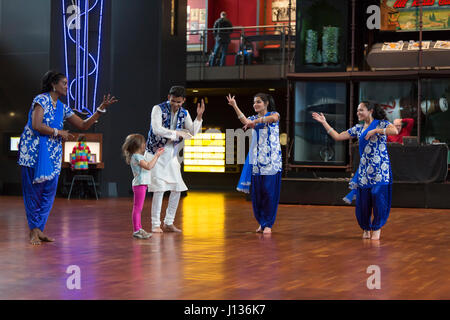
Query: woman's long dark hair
(378, 112)
(267, 98)
(49, 79)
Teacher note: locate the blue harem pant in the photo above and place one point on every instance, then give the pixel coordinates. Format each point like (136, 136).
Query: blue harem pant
(377, 199)
(265, 192)
(38, 198)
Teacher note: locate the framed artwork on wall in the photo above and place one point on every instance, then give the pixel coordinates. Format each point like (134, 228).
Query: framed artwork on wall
(280, 10)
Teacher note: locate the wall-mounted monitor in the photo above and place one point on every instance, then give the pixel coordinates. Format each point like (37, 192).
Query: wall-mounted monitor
(11, 143)
(14, 143)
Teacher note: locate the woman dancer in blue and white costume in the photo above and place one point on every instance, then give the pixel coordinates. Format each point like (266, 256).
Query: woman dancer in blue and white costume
(262, 172)
(41, 149)
(372, 183)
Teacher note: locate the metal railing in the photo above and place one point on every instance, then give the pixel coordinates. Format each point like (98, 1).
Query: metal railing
(249, 48)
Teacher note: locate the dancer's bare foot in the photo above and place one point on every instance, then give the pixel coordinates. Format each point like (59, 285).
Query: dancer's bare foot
(376, 234)
(366, 234)
(267, 230)
(34, 237)
(259, 230)
(170, 228)
(157, 230)
(44, 237)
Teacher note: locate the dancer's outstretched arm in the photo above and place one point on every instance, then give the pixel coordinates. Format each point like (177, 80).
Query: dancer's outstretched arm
(344, 135)
(241, 116)
(275, 117)
(81, 124)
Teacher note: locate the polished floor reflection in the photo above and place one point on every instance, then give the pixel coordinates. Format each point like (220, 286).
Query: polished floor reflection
(315, 252)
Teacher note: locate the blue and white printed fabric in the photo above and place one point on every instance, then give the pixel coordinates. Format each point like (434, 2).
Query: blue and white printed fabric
(374, 165)
(43, 152)
(265, 156)
(154, 142)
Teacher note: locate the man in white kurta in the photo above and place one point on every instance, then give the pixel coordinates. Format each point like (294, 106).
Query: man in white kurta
(166, 174)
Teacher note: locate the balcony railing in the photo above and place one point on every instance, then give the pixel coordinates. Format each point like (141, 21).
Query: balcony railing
(258, 52)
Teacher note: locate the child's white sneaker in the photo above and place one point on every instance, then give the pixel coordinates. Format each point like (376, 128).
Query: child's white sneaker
(141, 234)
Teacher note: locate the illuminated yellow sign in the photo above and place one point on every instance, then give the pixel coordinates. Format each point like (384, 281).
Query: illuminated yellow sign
(205, 152)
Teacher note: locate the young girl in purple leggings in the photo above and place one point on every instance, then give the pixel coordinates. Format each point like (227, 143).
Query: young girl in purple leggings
(133, 150)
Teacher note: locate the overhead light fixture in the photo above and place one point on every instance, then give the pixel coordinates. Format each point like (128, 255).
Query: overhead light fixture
(271, 89)
(195, 91)
(12, 114)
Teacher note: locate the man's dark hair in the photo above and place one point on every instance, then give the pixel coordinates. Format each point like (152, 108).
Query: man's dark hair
(177, 91)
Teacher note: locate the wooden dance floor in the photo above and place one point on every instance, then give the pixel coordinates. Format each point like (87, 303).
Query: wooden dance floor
(315, 252)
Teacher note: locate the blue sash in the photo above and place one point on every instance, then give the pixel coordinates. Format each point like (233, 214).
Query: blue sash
(246, 177)
(45, 167)
(353, 185)
(245, 180)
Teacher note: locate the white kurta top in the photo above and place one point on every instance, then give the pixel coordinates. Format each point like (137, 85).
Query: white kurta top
(166, 174)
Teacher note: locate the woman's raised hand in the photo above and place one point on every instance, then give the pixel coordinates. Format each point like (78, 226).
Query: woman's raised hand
(231, 100)
(107, 101)
(319, 117)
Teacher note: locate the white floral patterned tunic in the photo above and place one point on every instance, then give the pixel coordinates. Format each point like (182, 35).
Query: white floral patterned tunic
(374, 165)
(29, 140)
(266, 153)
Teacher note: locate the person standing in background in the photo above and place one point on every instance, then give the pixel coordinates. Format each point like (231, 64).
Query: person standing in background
(222, 39)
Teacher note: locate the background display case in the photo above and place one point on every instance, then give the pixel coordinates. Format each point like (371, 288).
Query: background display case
(322, 31)
(398, 98)
(435, 126)
(311, 143)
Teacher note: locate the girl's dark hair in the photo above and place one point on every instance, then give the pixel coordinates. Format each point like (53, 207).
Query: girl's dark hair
(267, 98)
(132, 145)
(81, 138)
(378, 112)
(50, 78)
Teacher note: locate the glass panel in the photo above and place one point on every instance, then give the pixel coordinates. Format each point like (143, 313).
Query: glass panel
(322, 35)
(195, 21)
(312, 144)
(399, 99)
(434, 106)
